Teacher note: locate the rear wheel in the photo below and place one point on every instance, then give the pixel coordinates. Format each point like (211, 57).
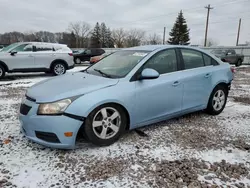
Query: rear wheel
(105, 124)
(58, 68)
(217, 100)
(2, 72)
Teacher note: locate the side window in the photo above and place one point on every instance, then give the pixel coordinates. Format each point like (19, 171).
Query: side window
(192, 59)
(163, 62)
(88, 52)
(232, 52)
(43, 47)
(28, 48)
(23, 47)
(207, 60)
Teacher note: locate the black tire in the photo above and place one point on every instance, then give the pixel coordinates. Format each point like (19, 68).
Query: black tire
(91, 135)
(239, 63)
(210, 107)
(56, 65)
(77, 60)
(2, 72)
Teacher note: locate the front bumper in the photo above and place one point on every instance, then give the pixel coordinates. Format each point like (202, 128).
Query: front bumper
(49, 130)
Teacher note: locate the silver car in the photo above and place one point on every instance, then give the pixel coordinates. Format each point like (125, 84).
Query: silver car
(36, 57)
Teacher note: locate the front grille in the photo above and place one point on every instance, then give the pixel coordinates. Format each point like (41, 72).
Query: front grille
(24, 109)
(30, 99)
(48, 137)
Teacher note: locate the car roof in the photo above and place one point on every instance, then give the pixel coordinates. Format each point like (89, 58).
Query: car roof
(156, 47)
(40, 43)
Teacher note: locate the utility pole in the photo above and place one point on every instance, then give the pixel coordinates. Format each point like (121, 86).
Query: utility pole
(164, 33)
(238, 35)
(208, 12)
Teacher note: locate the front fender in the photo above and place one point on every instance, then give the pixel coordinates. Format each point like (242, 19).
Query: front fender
(122, 94)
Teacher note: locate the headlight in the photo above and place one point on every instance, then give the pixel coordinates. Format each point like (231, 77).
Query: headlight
(55, 108)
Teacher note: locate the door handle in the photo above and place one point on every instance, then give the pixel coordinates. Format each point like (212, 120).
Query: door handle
(207, 75)
(30, 56)
(176, 83)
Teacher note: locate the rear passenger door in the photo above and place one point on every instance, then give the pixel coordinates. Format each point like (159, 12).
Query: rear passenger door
(197, 79)
(44, 55)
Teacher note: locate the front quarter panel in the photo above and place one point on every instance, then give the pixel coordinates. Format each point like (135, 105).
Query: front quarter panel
(123, 93)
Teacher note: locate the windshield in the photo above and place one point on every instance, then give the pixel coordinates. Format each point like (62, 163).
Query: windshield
(118, 64)
(218, 51)
(7, 48)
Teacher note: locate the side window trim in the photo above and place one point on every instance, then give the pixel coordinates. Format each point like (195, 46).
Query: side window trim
(182, 60)
(134, 77)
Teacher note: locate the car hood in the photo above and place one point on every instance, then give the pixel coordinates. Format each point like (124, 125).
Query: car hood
(68, 85)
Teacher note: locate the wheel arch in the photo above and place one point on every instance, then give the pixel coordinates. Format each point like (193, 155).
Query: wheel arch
(222, 83)
(114, 103)
(4, 66)
(59, 60)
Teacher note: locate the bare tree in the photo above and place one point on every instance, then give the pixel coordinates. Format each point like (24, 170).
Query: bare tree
(119, 36)
(81, 31)
(134, 37)
(153, 39)
(210, 42)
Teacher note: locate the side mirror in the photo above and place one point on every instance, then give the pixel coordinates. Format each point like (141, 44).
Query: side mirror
(148, 74)
(13, 53)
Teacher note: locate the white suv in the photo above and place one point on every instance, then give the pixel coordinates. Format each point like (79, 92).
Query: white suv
(36, 57)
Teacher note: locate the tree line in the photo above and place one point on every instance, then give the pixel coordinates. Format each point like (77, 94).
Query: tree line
(81, 35)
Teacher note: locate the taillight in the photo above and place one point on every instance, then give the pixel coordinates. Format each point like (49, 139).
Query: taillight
(233, 70)
(70, 54)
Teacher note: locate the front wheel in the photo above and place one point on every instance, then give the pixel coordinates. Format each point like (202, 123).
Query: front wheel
(105, 125)
(239, 63)
(217, 100)
(58, 68)
(2, 72)
(78, 61)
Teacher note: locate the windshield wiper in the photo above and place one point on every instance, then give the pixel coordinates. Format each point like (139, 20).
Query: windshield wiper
(103, 73)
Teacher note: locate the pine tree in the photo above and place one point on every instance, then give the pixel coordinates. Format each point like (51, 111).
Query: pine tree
(180, 32)
(109, 39)
(103, 35)
(72, 39)
(96, 37)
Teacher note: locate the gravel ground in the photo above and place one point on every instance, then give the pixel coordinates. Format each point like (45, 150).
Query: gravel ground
(196, 150)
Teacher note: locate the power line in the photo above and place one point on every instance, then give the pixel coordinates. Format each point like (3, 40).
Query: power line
(186, 10)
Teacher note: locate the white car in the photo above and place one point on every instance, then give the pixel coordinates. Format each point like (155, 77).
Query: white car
(36, 57)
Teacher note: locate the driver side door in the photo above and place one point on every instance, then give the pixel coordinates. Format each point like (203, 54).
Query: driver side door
(158, 99)
(23, 59)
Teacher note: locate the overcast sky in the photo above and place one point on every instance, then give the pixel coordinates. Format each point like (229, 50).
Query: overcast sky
(149, 15)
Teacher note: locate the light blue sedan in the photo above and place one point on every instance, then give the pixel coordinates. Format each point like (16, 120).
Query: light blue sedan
(126, 90)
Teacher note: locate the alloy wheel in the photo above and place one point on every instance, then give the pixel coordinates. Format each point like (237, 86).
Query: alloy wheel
(106, 123)
(59, 69)
(219, 100)
(78, 61)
